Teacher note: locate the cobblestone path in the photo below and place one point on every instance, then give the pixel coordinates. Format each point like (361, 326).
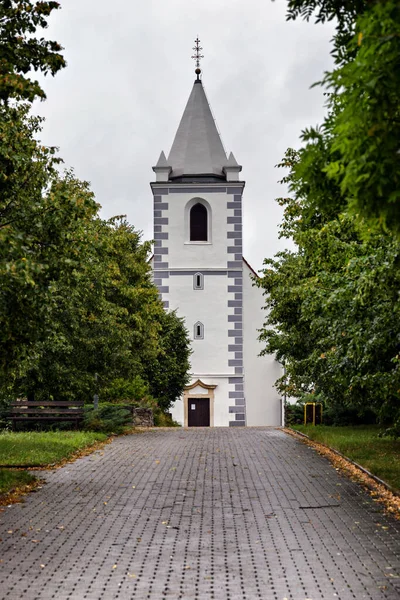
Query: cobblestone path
(224, 514)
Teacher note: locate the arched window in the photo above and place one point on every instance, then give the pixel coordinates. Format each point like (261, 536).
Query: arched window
(198, 281)
(198, 331)
(198, 223)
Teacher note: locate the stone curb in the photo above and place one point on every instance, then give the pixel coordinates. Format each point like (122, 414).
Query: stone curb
(363, 469)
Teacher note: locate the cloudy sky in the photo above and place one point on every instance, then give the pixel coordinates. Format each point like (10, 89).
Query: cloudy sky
(129, 75)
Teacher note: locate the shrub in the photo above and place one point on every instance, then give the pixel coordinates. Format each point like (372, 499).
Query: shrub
(163, 419)
(107, 418)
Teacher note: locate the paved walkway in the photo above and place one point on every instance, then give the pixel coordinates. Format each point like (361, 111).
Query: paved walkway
(224, 514)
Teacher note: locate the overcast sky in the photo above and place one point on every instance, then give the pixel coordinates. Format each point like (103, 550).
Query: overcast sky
(129, 75)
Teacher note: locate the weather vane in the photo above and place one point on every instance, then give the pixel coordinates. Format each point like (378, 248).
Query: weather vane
(197, 56)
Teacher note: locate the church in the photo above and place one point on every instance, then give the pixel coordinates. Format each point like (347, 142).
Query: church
(200, 272)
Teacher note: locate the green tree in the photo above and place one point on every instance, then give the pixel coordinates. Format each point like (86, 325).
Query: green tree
(21, 52)
(333, 304)
(41, 220)
(364, 97)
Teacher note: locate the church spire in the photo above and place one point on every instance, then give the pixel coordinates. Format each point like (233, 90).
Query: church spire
(197, 149)
(197, 152)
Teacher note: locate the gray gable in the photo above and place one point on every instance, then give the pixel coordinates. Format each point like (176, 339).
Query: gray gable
(197, 147)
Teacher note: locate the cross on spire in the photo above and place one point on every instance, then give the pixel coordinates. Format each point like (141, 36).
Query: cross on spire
(197, 56)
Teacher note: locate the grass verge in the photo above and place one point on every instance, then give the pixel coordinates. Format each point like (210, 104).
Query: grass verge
(362, 444)
(34, 449)
(42, 448)
(11, 479)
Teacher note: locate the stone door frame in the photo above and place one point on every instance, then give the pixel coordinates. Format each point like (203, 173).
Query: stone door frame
(208, 393)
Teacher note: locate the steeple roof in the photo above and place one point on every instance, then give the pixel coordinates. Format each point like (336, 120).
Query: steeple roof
(197, 148)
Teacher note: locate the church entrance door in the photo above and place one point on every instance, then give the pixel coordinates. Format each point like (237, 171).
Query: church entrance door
(199, 412)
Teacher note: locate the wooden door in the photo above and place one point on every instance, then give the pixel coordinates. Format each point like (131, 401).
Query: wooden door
(199, 412)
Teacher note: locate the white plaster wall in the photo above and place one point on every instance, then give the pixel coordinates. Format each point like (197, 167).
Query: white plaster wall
(185, 254)
(263, 403)
(209, 306)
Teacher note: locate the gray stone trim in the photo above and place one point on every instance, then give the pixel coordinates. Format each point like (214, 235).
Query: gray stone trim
(160, 220)
(157, 282)
(235, 350)
(232, 333)
(160, 191)
(157, 229)
(157, 199)
(166, 303)
(237, 423)
(162, 250)
(163, 265)
(233, 318)
(157, 213)
(163, 289)
(158, 235)
(163, 206)
(197, 190)
(235, 190)
(192, 272)
(161, 274)
(240, 417)
(236, 409)
(240, 402)
(234, 363)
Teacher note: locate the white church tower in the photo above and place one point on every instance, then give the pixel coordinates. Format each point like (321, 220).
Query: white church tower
(200, 271)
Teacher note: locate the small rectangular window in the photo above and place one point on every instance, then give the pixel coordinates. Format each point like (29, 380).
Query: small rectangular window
(198, 281)
(198, 331)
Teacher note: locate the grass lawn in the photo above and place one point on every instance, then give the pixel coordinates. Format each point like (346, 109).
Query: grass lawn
(381, 456)
(10, 479)
(43, 447)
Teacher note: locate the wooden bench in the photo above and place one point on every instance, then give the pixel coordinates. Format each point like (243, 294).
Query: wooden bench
(27, 411)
